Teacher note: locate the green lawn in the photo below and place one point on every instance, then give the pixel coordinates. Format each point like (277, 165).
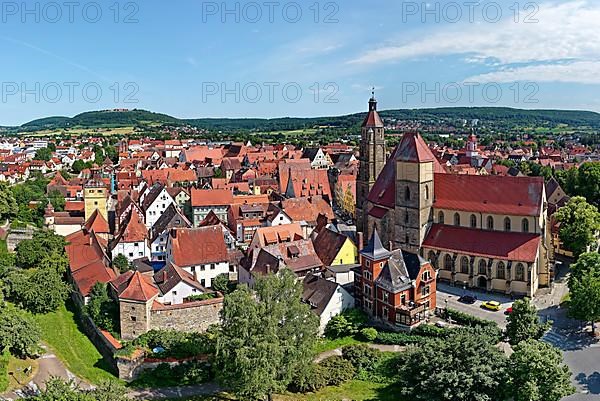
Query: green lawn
(61, 333)
(355, 390)
(325, 344)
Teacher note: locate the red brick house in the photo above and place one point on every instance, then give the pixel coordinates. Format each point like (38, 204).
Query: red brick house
(394, 287)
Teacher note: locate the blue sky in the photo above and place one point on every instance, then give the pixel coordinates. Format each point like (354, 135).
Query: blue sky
(223, 59)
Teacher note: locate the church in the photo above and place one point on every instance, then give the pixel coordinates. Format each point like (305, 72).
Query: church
(485, 232)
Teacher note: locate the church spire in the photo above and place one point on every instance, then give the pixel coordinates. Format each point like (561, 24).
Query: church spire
(373, 101)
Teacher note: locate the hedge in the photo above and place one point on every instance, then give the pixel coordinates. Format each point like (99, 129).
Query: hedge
(399, 339)
(4, 358)
(468, 320)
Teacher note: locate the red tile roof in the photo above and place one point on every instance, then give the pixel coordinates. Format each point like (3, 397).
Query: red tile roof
(493, 244)
(198, 246)
(211, 197)
(97, 223)
(135, 287)
(520, 196)
(412, 148)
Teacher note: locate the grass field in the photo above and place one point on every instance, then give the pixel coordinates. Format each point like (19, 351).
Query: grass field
(355, 390)
(16, 372)
(328, 345)
(62, 334)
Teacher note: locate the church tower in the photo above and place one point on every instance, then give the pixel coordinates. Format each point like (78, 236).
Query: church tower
(95, 197)
(372, 160)
(471, 147)
(414, 192)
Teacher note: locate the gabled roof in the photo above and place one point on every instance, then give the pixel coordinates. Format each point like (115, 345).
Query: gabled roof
(151, 196)
(374, 249)
(134, 230)
(211, 197)
(171, 217)
(328, 245)
(492, 244)
(198, 246)
(171, 275)
(317, 292)
(97, 223)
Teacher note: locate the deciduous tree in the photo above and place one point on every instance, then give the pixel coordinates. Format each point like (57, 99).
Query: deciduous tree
(579, 223)
(537, 373)
(584, 287)
(524, 323)
(267, 336)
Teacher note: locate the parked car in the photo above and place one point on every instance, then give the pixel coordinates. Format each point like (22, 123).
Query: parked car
(508, 310)
(467, 299)
(491, 305)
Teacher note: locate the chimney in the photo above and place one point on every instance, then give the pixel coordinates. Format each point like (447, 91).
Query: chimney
(360, 240)
(268, 266)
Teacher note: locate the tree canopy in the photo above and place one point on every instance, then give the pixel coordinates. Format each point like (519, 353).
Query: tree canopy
(267, 336)
(579, 222)
(584, 287)
(524, 323)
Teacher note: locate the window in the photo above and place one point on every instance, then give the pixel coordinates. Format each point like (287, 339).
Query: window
(406, 217)
(448, 262)
(407, 194)
(368, 276)
(212, 266)
(482, 267)
(501, 271)
(464, 264)
(456, 219)
(203, 282)
(520, 272)
(425, 291)
(385, 312)
(426, 191)
(426, 276)
(385, 297)
(133, 318)
(432, 259)
(490, 223)
(174, 293)
(441, 217)
(403, 299)
(525, 225)
(473, 221)
(506, 224)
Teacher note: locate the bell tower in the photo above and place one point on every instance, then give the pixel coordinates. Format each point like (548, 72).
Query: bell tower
(371, 158)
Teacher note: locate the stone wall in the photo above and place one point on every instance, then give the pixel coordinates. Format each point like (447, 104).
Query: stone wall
(190, 317)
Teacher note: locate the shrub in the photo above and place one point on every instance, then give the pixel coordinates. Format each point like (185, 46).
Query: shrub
(427, 330)
(4, 358)
(338, 327)
(312, 379)
(338, 370)
(368, 333)
(182, 374)
(361, 356)
(467, 320)
(176, 344)
(399, 339)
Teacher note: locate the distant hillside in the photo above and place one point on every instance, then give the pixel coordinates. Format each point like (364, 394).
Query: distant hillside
(495, 116)
(101, 119)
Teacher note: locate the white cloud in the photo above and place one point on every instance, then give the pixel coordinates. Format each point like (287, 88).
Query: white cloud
(587, 72)
(565, 31)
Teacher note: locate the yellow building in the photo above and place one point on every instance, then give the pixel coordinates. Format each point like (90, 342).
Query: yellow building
(335, 249)
(95, 194)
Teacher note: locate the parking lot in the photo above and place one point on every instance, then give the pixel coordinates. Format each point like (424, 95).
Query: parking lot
(448, 296)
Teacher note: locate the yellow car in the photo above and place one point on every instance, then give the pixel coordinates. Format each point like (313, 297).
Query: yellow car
(491, 305)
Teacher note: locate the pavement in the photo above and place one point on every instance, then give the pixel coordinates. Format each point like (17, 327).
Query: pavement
(448, 295)
(49, 367)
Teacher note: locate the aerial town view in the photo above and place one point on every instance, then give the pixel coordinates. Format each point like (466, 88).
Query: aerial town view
(300, 201)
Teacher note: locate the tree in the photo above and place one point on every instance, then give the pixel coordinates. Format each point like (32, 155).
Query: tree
(221, 283)
(43, 244)
(463, 367)
(18, 332)
(102, 309)
(59, 390)
(37, 290)
(584, 287)
(267, 336)
(44, 154)
(57, 200)
(524, 323)
(537, 373)
(589, 182)
(122, 263)
(8, 203)
(579, 223)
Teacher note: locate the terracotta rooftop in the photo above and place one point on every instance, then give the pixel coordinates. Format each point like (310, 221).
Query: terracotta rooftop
(211, 197)
(198, 246)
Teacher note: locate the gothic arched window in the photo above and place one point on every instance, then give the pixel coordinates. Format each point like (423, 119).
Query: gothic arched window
(520, 272)
(448, 262)
(482, 267)
(441, 217)
(473, 221)
(406, 217)
(464, 264)
(431, 256)
(501, 271)
(426, 191)
(525, 225)
(407, 194)
(506, 224)
(456, 219)
(490, 223)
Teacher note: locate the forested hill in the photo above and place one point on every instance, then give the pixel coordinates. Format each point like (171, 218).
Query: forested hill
(498, 116)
